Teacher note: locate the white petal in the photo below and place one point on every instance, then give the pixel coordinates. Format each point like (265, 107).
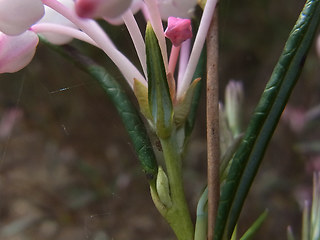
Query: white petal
(16, 16)
(134, 8)
(176, 8)
(51, 16)
(16, 52)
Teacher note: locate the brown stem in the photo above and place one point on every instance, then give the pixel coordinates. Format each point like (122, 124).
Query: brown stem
(213, 124)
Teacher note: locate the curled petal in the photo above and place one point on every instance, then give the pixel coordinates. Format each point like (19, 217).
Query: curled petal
(16, 52)
(176, 8)
(51, 16)
(101, 8)
(16, 16)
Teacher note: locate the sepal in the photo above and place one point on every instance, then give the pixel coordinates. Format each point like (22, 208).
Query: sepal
(182, 107)
(141, 93)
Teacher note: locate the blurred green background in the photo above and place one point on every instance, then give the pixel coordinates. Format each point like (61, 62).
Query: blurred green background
(67, 167)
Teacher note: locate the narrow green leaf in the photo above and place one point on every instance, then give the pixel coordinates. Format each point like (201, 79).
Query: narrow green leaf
(130, 117)
(128, 113)
(234, 234)
(158, 89)
(264, 120)
(255, 226)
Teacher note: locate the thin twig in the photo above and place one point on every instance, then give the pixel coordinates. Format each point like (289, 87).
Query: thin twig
(213, 124)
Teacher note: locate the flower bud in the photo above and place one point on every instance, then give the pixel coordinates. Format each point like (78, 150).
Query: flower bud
(176, 8)
(51, 16)
(16, 52)
(16, 16)
(163, 189)
(233, 101)
(178, 30)
(101, 8)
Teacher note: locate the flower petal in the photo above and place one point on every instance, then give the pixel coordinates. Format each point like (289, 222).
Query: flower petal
(176, 8)
(101, 8)
(51, 16)
(136, 5)
(17, 16)
(16, 52)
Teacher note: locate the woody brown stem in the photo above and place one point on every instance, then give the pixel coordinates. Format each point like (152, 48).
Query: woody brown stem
(213, 124)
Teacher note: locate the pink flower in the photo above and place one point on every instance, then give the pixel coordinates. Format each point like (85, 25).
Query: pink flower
(16, 52)
(16, 16)
(101, 8)
(178, 30)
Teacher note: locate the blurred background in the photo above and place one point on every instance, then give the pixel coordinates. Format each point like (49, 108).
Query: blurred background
(67, 167)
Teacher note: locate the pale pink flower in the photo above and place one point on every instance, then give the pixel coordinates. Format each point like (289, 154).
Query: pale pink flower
(17, 51)
(89, 31)
(295, 117)
(16, 16)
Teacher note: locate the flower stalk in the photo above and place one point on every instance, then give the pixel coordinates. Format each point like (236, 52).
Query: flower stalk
(213, 142)
(178, 215)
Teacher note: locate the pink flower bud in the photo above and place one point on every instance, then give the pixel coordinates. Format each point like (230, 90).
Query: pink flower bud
(101, 8)
(178, 30)
(16, 52)
(16, 16)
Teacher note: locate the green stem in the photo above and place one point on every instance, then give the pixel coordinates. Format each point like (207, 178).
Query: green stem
(177, 215)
